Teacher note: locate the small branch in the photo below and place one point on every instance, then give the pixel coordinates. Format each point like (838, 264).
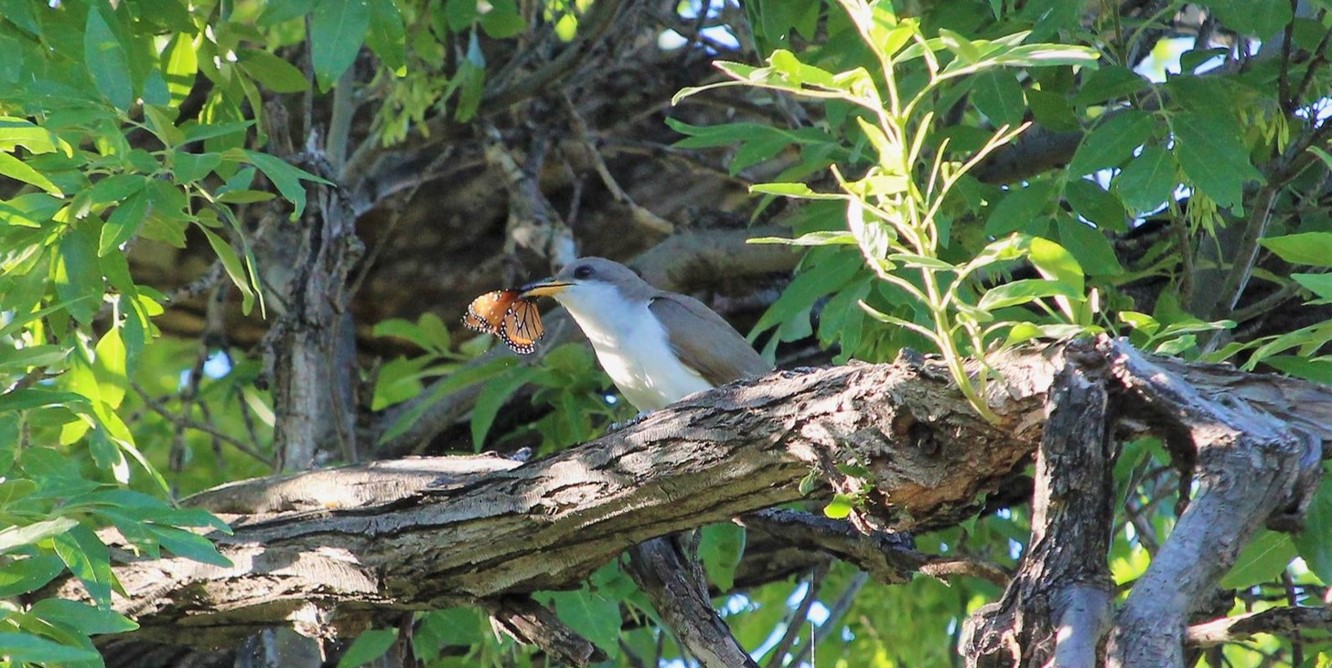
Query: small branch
(187, 423)
(533, 222)
(889, 558)
(835, 614)
(641, 216)
(524, 620)
(1288, 622)
(798, 617)
(1058, 606)
(340, 119)
(1246, 254)
(592, 27)
(1248, 467)
(669, 573)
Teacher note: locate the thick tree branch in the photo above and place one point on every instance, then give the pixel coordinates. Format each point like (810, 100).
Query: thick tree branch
(334, 551)
(1058, 606)
(1248, 468)
(545, 524)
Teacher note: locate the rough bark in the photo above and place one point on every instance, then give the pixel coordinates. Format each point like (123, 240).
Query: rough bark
(1058, 606)
(668, 571)
(331, 552)
(312, 349)
(1249, 465)
(467, 537)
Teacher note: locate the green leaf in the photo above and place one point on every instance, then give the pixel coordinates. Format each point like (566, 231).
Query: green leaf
(89, 560)
(1024, 291)
(20, 13)
(1096, 204)
(107, 60)
(188, 544)
(191, 167)
(839, 508)
(459, 14)
(1317, 370)
(84, 618)
(503, 20)
(1019, 207)
(30, 648)
(387, 36)
(337, 28)
(78, 278)
(1262, 560)
(19, 170)
(458, 381)
(276, 74)
(1148, 181)
(810, 239)
(807, 287)
(492, 398)
(1319, 284)
(720, 548)
(1112, 142)
(124, 222)
(368, 647)
(1089, 246)
(1111, 82)
(286, 10)
(1308, 248)
(1054, 262)
(180, 66)
(998, 95)
(24, 575)
(1212, 155)
(15, 132)
(1052, 111)
(116, 188)
(1259, 18)
(1315, 541)
(15, 537)
(592, 616)
(285, 177)
(35, 397)
(235, 269)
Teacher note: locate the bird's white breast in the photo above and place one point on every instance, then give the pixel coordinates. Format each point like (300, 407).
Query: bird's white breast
(632, 347)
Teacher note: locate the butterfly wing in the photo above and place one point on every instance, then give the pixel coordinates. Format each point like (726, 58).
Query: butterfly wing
(521, 327)
(486, 313)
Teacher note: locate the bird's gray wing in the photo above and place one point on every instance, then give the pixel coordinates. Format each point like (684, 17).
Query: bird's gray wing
(714, 349)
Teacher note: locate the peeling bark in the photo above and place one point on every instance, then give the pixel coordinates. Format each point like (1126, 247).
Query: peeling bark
(1058, 606)
(545, 524)
(332, 552)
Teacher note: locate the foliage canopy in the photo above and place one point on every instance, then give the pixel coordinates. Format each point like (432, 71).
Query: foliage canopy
(955, 177)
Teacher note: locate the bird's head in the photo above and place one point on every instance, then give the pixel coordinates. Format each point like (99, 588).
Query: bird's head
(590, 285)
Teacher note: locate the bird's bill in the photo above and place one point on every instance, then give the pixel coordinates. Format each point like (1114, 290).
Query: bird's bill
(547, 288)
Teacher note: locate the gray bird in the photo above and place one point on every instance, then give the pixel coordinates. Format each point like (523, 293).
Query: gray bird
(657, 346)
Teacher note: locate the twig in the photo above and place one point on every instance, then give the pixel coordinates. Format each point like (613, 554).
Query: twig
(643, 217)
(1266, 304)
(1283, 78)
(799, 616)
(340, 118)
(835, 614)
(189, 423)
(394, 219)
(1277, 621)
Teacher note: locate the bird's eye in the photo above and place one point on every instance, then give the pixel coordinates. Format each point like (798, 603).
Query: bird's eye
(582, 272)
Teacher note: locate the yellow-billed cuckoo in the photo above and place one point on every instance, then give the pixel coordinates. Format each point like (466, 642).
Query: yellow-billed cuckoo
(656, 346)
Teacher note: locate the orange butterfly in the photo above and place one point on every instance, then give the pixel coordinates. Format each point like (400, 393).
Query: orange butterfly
(503, 313)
